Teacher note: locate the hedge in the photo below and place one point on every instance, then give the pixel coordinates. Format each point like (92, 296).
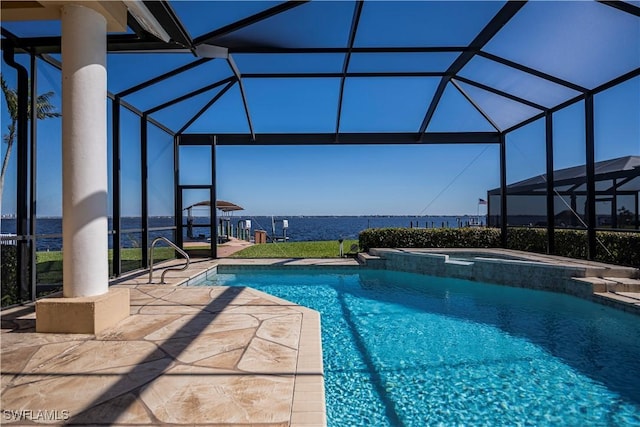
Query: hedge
(622, 248)
(8, 275)
(429, 238)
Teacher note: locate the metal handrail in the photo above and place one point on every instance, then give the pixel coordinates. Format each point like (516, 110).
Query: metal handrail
(173, 245)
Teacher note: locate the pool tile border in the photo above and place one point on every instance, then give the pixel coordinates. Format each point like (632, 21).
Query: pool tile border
(594, 281)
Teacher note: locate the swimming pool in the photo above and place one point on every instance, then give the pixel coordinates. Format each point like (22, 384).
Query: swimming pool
(408, 349)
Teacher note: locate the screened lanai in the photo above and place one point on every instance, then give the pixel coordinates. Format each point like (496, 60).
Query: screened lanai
(185, 78)
(617, 190)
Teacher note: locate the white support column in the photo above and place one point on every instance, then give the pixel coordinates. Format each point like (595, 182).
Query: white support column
(84, 152)
(88, 305)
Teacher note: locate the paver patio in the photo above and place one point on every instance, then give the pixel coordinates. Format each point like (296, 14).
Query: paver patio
(186, 355)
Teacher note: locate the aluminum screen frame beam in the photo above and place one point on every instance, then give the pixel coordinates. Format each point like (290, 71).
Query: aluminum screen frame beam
(503, 191)
(132, 43)
(347, 58)
(116, 209)
(22, 170)
(344, 138)
(343, 50)
(115, 43)
(177, 193)
(206, 107)
(500, 93)
(163, 77)
(551, 225)
(618, 80)
(33, 172)
(532, 71)
(250, 20)
(503, 16)
(144, 190)
(591, 181)
(170, 22)
(623, 6)
(238, 75)
(475, 105)
(340, 75)
(213, 197)
(57, 64)
(190, 95)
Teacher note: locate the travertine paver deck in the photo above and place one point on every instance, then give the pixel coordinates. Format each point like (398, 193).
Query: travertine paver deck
(186, 355)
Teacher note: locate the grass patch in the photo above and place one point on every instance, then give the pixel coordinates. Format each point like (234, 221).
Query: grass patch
(129, 254)
(321, 249)
(49, 264)
(49, 256)
(49, 267)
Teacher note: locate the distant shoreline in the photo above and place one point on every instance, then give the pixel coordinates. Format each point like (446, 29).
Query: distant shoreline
(294, 216)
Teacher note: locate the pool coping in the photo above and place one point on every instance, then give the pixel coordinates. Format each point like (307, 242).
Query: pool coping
(611, 285)
(598, 282)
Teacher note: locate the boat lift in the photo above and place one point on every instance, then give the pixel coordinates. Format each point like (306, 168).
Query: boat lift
(225, 228)
(285, 226)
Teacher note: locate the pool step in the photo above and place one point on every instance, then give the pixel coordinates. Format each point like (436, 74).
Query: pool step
(610, 284)
(623, 284)
(612, 272)
(627, 301)
(620, 292)
(371, 261)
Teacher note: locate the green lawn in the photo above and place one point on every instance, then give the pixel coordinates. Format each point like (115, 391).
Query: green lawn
(322, 249)
(49, 264)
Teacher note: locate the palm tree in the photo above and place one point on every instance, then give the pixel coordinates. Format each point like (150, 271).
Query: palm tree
(44, 110)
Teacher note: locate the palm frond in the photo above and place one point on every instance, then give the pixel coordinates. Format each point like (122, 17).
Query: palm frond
(44, 108)
(11, 98)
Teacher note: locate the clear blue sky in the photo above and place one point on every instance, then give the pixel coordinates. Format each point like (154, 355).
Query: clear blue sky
(367, 180)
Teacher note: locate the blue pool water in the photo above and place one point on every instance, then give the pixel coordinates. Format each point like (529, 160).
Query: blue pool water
(414, 350)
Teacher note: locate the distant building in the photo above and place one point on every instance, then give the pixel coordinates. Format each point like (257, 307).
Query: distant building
(617, 197)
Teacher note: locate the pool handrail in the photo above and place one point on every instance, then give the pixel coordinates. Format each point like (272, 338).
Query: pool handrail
(173, 245)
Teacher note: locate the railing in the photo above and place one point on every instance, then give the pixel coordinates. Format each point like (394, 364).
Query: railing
(173, 245)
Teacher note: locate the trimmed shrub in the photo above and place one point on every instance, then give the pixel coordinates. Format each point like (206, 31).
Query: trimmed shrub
(572, 243)
(527, 239)
(429, 238)
(8, 275)
(621, 248)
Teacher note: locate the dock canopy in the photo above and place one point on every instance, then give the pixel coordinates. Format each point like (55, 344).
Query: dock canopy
(222, 205)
